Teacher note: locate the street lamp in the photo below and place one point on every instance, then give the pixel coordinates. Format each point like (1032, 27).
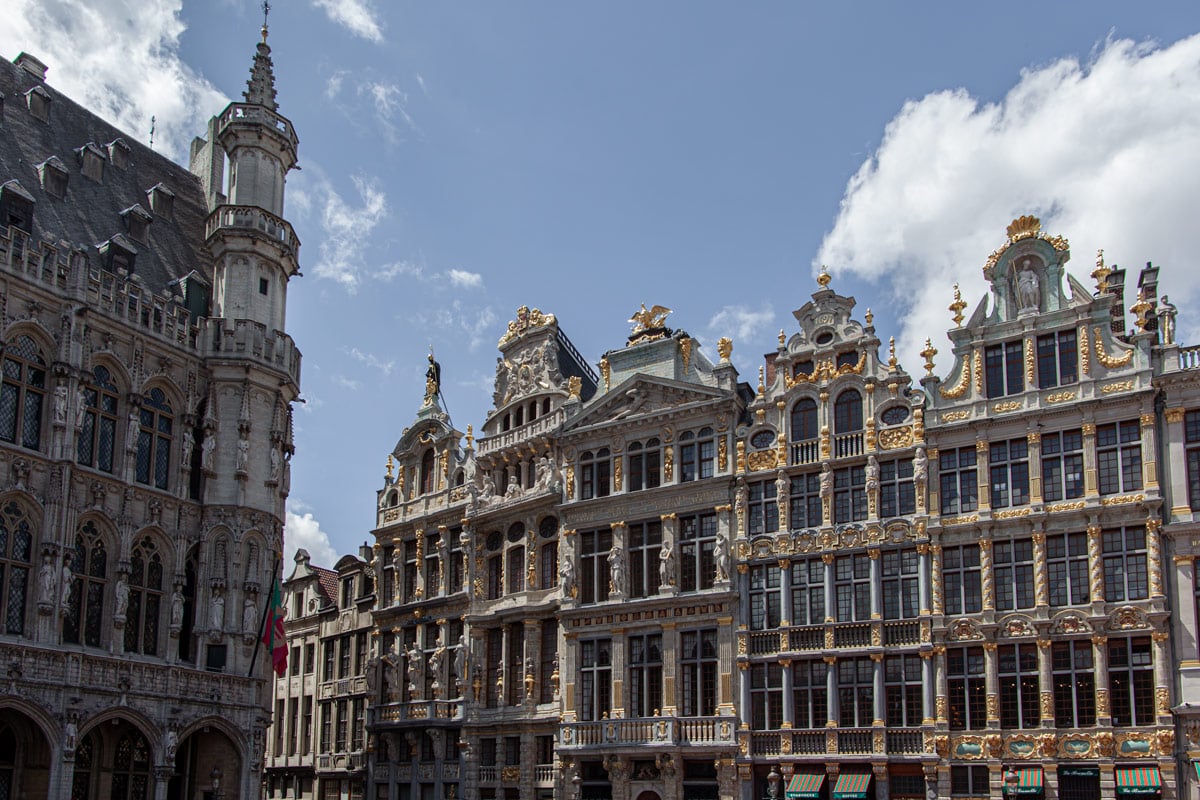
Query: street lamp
(773, 783)
(1011, 781)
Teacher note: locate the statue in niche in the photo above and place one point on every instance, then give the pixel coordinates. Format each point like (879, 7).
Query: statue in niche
(249, 616)
(666, 562)
(206, 450)
(721, 554)
(1028, 296)
(217, 610)
(567, 573)
(1166, 320)
(46, 582)
(60, 405)
(176, 608)
(920, 470)
(460, 663)
(81, 406)
(872, 473)
(414, 667)
(65, 589)
(616, 570)
(121, 595)
(189, 442)
(276, 463)
(826, 490)
(243, 454)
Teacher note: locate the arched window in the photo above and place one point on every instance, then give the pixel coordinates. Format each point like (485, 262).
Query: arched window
(848, 412)
(154, 440)
(22, 393)
(85, 761)
(98, 429)
(8, 760)
(145, 599)
(16, 562)
(89, 566)
(131, 768)
(804, 420)
(187, 601)
(427, 471)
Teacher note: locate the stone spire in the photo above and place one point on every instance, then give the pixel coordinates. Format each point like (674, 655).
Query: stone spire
(260, 89)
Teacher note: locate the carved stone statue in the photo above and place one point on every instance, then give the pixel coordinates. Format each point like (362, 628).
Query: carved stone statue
(488, 490)
(435, 666)
(460, 663)
(206, 450)
(567, 573)
(176, 608)
(721, 554)
(81, 406)
(1028, 296)
(414, 667)
(433, 380)
(189, 442)
(217, 610)
(276, 463)
(616, 570)
(1166, 320)
(394, 679)
(121, 596)
(69, 734)
(60, 405)
(920, 469)
(243, 454)
(46, 582)
(543, 472)
(826, 481)
(249, 617)
(65, 587)
(666, 562)
(170, 744)
(132, 429)
(872, 473)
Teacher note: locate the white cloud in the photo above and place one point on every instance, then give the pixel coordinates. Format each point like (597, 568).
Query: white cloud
(347, 229)
(740, 322)
(389, 100)
(356, 16)
(477, 323)
(347, 383)
(370, 360)
(465, 280)
(1105, 153)
(403, 267)
(333, 86)
(302, 530)
(122, 70)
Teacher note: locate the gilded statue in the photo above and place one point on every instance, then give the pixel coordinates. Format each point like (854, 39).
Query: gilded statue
(649, 320)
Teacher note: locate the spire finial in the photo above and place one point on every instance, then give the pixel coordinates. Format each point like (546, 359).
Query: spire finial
(266, 7)
(153, 120)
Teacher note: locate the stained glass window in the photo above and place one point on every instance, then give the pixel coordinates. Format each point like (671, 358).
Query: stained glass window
(89, 566)
(98, 425)
(145, 599)
(22, 391)
(154, 439)
(16, 558)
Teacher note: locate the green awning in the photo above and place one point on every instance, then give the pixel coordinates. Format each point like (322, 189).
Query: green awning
(1138, 780)
(806, 786)
(851, 786)
(1030, 781)
(1196, 764)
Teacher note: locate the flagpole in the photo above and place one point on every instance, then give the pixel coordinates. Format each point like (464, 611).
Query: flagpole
(262, 621)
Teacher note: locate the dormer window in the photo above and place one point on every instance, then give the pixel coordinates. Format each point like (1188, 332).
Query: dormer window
(91, 162)
(118, 153)
(39, 103)
(162, 201)
(118, 254)
(16, 207)
(137, 222)
(54, 177)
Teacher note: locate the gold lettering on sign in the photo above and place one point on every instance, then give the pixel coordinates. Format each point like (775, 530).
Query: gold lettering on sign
(1060, 397)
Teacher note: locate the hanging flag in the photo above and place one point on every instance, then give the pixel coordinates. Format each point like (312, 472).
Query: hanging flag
(273, 636)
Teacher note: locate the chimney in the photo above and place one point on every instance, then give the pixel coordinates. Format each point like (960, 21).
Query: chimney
(31, 65)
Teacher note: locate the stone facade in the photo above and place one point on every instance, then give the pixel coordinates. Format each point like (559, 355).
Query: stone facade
(145, 440)
(659, 582)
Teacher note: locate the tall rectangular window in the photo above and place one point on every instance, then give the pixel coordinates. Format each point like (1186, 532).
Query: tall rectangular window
(595, 474)
(902, 687)
(306, 730)
(515, 569)
(549, 656)
(696, 452)
(849, 495)
(342, 726)
(804, 505)
(1074, 684)
(901, 598)
(645, 675)
(328, 646)
(1004, 368)
(810, 709)
(1067, 569)
(766, 696)
(358, 724)
(1125, 574)
(897, 495)
(344, 657)
(1057, 359)
(962, 579)
(958, 480)
(1017, 667)
(409, 579)
(454, 574)
(1062, 465)
(644, 540)
(1014, 574)
(852, 587)
(593, 565)
(1008, 464)
(595, 678)
(1119, 457)
(967, 781)
(763, 508)
(494, 567)
(966, 688)
(764, 597)
(808, 592)
(856, 692)
(1191, 437)
(698, 664)
(697, 547)
(326, 726)
(645, 465)
(1131, 681)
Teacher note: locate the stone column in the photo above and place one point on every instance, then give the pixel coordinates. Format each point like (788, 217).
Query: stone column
(1041, 591)
(939, 669)
(830, 596)
(876, 584)
(618, 673)
(1150, 450)
(1184, 629)
(983, 475)
(1089, 460)
(785, 597)
(1154, 567)
(881, 780)
(923, 579)
(670, 667)
(1174, 454)
(726, 647)
(991, 683)
(987, 575)
(1162, 677)
(1095, 568)
(1035, 467)
(935, 572)
(567, 675)
(1046, 682)
(1100, 671)
(831, 695)
(927, 687)
(789, 717)
(879, 710)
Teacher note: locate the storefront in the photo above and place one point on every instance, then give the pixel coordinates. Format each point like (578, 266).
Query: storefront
(1024, 782)
(805, 786)
(852, 786)
(1078, 783)
(1138, 781)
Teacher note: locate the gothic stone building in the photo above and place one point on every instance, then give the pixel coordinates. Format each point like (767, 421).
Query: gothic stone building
(145, 438)
(846, 582)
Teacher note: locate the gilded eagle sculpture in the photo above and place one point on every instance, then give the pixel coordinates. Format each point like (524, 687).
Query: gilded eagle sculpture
(649, 320)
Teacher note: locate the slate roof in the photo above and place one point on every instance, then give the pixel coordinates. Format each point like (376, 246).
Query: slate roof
(328, 581)
(90, 214)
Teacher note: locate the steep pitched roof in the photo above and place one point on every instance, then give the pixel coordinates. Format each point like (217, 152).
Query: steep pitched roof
(90, 214)
(327, 579)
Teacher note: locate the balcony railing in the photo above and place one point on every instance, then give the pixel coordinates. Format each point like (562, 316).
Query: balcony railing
(907, 632)
(897, 633)
(649, 730)
(854, 741)
(1189, 357)
(904, 741)
(852, 635)
(848, 741)
(846, 445)
(417, 710)
(806, 452)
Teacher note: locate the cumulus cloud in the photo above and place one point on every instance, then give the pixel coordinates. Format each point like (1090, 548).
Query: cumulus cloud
(302, 530)
(370, 360)
(740, 322)
(123, 71)
(1105, 152)
(347, 229)
(356, 16)
(465, 280)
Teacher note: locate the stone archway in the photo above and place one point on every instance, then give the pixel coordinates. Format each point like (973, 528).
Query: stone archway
(25, 756)
(203, 756)
(113, 759)
(648, 795)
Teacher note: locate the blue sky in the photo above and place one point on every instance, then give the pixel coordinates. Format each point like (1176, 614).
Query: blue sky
(462, 159)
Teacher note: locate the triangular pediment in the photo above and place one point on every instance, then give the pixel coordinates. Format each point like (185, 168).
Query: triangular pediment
(641, 397)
